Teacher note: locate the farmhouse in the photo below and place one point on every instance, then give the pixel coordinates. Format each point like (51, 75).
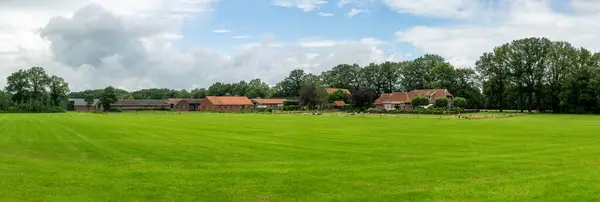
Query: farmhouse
(402, 100)
(81, 105)
(263, 103)
(226, 103)
(333, 90)
(185, 104)
(131, 104)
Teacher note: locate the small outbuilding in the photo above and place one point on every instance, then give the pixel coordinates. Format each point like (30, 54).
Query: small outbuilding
(81, 105)
(185, 104)
(263, 103)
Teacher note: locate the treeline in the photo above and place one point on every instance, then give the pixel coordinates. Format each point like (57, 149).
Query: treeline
(255, 88)
(539, 74)
(368, 82)
(33, 90)
(525, 74)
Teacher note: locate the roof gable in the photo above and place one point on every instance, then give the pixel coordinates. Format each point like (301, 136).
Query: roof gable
(339, 103)
(81, 102)
(333, 90)
(269, 101)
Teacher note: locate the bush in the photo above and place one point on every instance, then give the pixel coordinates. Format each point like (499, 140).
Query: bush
(460, 102)
(419, 101)
(291, 103)
(291, 108)
(347, 107)
(266, 109)
(441, 103)
(436, 111)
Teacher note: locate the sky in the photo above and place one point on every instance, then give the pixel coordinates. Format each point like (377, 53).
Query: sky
(184, 44)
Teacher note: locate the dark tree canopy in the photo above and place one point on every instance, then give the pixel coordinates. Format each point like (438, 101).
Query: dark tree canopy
(33, 90)
(108, 98)
(539, 74)
(312, 95)
(89, 100)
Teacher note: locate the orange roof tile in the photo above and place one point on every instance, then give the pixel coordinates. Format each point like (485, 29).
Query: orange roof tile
(229, 100)
(339, 103)
(333, 90)
(269, 101)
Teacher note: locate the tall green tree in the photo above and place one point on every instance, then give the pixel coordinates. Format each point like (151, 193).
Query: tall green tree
(416, 74)
(89, 101)
(312, 95)
(19, 87)
(290, 86)
(108, 98)
(59, 90)
(344, 76)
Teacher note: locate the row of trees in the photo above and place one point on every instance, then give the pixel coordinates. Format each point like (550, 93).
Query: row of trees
(368, 82)
(540, 74)
(33, 90)
(525, 74)
(254, 88)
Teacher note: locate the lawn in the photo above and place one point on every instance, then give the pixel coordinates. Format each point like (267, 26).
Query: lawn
(251, 157)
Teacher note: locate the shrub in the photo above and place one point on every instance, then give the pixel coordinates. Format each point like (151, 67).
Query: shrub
(291, 103)
(290, 108)
(419, 101)
(460, 102)
(441, 103)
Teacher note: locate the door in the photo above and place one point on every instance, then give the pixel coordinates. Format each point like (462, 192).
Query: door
(192, 107)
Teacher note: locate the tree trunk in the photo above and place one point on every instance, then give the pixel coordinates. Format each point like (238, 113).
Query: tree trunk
(530, 101)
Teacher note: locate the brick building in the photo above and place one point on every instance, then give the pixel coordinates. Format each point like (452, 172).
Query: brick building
(131, 104)
(263, 103)
(226, 103)
(185, 104)
(81, 105)
(402, 100)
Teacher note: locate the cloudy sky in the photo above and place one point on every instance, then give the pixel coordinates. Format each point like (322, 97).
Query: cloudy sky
(135, 44)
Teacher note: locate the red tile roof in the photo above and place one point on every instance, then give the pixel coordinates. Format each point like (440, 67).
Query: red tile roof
(269, 101)
(229, 100)
(339, 103)
(333, 90)
(406, 97)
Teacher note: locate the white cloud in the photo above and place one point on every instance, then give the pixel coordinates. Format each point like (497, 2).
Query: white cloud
(130, 47)
(325, 14)
(221, 31)
(355, 11)
(305, 5)
(462, 44)
(436, 8)
(241, 37)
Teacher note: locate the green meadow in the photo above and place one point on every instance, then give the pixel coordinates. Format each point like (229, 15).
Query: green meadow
(253, 157)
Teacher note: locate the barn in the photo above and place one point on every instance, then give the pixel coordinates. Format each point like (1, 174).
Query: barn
(131, 104)
(226, 103)
(81, 105)
(185, 104)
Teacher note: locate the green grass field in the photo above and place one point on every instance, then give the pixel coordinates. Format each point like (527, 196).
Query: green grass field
(251, 157)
